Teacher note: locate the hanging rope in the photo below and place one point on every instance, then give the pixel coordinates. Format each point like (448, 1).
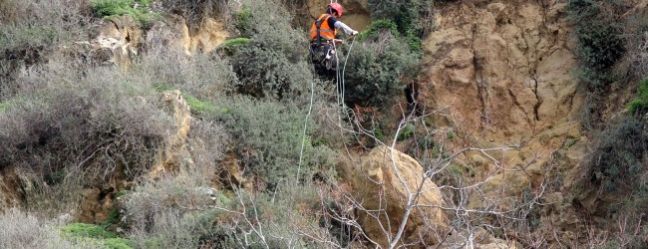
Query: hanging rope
(310, 108)
(339, 80)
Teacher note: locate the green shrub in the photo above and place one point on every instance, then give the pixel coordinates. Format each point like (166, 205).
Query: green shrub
(87, 230)
(408, 15)
(274, 64)
(176, 211)
(138, 9)
(269, 138)
(235, 42)
(412, 18)
(3, 106)
(243, 21)
(199, 106)
(265, 72)
(377, 27)
(640, 104)
(600, 47)
(117, 243)
(600, 42)
(615, 169)
(88, 234)
(406, 132)
(377, 70)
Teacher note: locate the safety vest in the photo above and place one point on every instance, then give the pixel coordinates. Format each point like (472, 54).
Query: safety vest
(322, 29)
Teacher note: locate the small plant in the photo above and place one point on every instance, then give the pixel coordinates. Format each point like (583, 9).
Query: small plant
(3, 106)
(138, 9)
(406, 132)
(88, 234)
(236, 42)
(639, 105)
(87, 230)
(243, 21)
(377, 27)
(199, 106)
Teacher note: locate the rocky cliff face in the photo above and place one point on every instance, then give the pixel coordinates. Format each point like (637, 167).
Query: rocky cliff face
(503, 74)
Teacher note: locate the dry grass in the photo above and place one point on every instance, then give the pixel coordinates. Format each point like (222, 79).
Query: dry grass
(25, 231)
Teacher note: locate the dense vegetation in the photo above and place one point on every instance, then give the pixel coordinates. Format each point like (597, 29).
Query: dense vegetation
(69, 123)
(611, 42)
(259, 163)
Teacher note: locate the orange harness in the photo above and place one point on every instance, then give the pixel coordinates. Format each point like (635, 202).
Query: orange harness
(322, 29)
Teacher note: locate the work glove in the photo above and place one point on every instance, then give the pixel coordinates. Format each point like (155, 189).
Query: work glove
(354, 33)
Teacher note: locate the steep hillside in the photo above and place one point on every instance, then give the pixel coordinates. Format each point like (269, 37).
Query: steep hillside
(205, 124)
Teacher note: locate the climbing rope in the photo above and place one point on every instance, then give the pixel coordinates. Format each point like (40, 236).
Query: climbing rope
(339, 78)
(310, 109)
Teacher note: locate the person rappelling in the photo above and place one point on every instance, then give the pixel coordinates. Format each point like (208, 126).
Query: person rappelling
(323, 34)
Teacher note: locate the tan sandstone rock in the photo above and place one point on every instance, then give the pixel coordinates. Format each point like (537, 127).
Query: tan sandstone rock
(503, 73)
(175, 152)
(382, 183)
(122, 36)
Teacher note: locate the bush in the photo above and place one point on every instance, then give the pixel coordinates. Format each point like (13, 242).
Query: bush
(230, 46)
(410, 16)
(600, 42)
(600, 47)
(243, 21)
(175, 211)
(615, 170)
(205, 77)
(87, 230)
(639, 105)
(24, 230)
(274, 63)
(137, 9)
(269, 138)
(83, 124)
(378, 70)
(31, 30)
(617, 160)
(93, 235)
(267, 73)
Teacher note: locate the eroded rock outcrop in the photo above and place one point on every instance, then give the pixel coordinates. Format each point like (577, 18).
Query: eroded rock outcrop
(382, 182)
(175, 33)
(503, 74)
(175, 151)
(503, 71)
(122, 37)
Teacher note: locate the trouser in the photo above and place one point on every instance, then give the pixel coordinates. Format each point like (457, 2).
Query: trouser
(324, 59)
